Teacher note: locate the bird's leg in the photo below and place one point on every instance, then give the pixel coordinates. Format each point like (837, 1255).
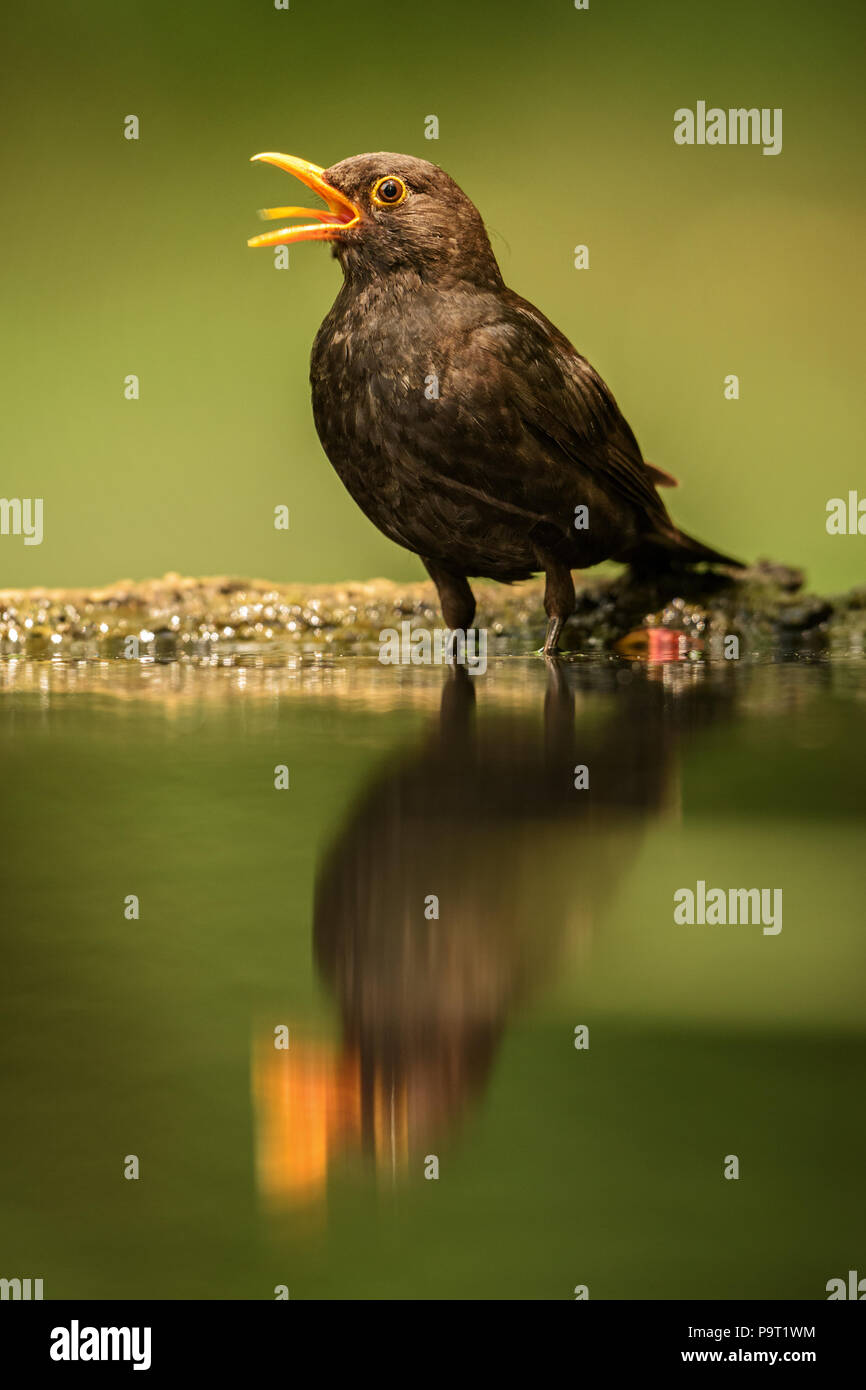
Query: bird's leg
(558, 602)
(552, 636)
(456, 599)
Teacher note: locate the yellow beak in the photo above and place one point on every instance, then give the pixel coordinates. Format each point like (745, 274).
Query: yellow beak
(329, 225)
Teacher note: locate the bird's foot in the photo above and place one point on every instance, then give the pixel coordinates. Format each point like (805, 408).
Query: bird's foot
(552, 636)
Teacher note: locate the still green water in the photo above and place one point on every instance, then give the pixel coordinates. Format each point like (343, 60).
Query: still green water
(411, 1036)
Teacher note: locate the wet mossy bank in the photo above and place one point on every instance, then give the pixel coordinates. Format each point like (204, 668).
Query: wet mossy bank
(765, 607)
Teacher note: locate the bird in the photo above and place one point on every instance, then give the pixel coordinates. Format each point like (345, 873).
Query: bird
(463, 423)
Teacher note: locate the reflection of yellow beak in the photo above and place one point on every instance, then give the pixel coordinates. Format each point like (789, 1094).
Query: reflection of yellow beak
(342, 213)
(308, 1107)
(311, 1108)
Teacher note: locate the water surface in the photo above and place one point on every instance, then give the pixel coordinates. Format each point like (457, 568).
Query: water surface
(413, 1036)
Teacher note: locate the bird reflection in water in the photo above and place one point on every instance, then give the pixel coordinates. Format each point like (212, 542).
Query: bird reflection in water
(484, 814)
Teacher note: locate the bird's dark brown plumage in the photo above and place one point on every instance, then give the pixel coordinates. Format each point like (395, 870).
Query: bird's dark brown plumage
(462, 422)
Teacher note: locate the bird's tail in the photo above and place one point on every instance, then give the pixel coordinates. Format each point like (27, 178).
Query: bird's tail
(660, 550)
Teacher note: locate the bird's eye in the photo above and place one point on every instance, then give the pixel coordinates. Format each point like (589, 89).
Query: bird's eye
(389, 191)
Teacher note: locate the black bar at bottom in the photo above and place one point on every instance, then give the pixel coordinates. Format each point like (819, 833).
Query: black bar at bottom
(84, 1338)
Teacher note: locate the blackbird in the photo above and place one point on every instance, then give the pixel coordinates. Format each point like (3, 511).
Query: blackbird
(462, 422)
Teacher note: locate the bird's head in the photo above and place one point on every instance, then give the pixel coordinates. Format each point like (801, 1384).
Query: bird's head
(386, 213)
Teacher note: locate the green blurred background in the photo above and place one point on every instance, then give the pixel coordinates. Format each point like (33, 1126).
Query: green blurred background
(129, 257)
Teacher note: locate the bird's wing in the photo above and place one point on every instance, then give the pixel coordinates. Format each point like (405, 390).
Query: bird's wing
(534, 418)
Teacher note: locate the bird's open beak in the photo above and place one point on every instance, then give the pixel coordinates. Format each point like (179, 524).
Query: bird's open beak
(329, 225)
